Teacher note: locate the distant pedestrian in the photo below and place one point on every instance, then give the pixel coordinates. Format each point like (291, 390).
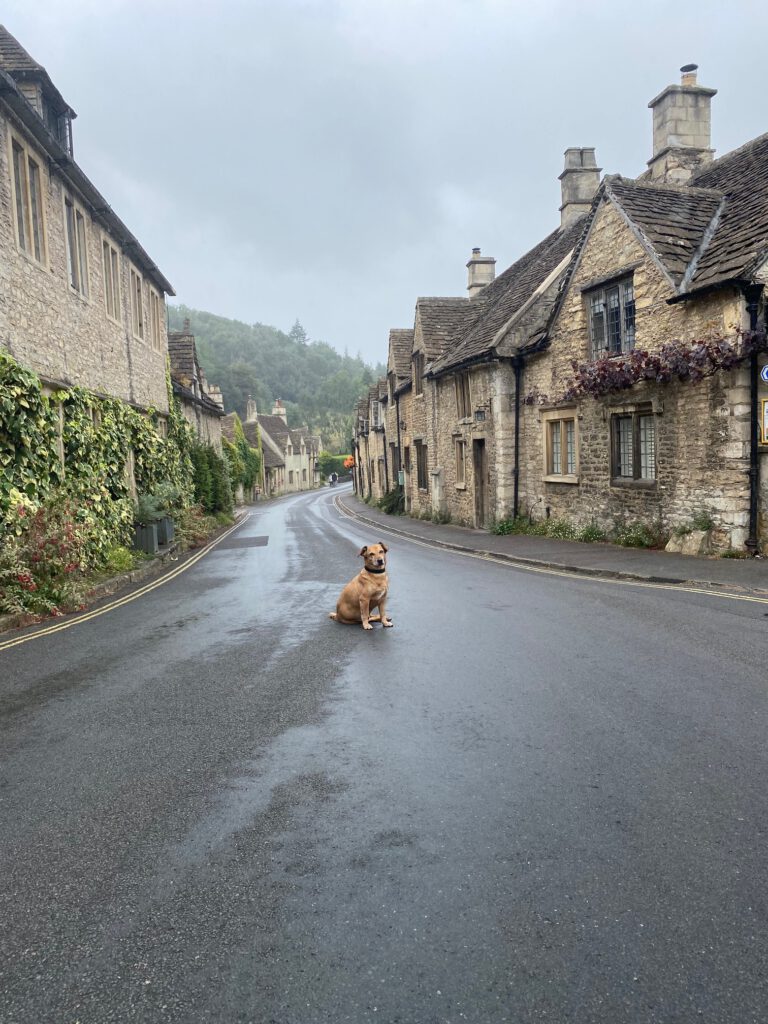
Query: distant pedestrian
(333, 478)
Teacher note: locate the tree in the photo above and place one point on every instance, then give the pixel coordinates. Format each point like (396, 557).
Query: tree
(298, 334)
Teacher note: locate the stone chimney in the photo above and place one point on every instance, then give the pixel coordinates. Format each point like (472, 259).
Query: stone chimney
(215, 395)
(681, 129)
(579, 182)
(279, 410)
(250, 410)
(185, 327)
(482, 270)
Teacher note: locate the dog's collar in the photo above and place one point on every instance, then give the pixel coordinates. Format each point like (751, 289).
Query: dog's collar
(377, 571)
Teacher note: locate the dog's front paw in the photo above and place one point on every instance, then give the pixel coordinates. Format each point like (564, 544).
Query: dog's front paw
(367, 625)
(388, 624)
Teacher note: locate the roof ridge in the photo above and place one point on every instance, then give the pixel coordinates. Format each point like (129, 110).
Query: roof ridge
(732, 154)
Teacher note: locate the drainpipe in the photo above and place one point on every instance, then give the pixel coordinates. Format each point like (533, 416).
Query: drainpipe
(517, 362)
(399, 443)
(386, 461)
(752, 294)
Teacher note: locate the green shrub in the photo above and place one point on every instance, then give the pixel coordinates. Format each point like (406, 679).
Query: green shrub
(393, 502)
(635, 535)
(590, 534)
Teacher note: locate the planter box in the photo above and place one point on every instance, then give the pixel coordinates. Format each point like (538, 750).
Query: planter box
(165, 531)
(145, 538)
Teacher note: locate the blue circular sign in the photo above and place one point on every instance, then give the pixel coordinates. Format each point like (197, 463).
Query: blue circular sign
(764, 374)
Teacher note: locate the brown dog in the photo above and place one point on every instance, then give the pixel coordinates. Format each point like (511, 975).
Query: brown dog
(368, 590)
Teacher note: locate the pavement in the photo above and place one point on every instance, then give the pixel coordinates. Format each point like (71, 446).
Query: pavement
(608, 560)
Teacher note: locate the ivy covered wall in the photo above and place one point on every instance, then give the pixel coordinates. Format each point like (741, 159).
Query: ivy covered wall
(89, 447)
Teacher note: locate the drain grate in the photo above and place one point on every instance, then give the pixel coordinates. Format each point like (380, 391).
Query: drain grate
(245, 542)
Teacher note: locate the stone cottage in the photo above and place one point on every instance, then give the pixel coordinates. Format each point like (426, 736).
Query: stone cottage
(290, 454)
(614, 376)
(81, 302)
(202, 404)
(641, 407)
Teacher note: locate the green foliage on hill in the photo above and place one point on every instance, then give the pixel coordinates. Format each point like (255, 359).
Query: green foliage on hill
(318, 386)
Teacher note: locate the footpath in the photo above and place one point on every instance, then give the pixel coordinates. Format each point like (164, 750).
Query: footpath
(610, 561)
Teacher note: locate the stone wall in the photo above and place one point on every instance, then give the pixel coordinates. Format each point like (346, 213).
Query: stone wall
(702, 429)
(52, 329)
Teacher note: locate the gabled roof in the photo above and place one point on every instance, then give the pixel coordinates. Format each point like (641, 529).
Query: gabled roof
(183, 356)
(276, 428)
(185, 370)
(495, 306)
(22, 67)
(400, 348)
(712, 231)
(673, 219)
(740, 242)
(441, 319)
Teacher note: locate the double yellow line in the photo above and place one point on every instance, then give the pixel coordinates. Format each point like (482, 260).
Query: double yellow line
(512, 563)
(119, 602)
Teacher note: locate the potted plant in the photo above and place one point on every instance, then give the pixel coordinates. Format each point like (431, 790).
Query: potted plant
(168, 499)
(147, 515)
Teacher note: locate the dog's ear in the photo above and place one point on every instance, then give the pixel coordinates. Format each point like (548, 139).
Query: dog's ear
(383, 546)
(363, 550)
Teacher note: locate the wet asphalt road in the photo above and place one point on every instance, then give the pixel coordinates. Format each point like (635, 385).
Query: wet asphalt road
(534, 799)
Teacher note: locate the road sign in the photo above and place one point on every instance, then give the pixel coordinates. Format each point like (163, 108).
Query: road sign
(764, 374)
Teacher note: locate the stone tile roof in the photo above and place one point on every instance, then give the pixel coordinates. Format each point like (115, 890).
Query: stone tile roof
(383, 391)
(672, 218)
(441, 319)
(185, 370)
(400, 348)
(13, 56)
(740, 242)
(183, 357)
(15, 60)
(505, 296)
(711, 231)
(271, 459)
(276, 428)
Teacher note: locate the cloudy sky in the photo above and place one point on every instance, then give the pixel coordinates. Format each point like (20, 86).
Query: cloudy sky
(331, 160)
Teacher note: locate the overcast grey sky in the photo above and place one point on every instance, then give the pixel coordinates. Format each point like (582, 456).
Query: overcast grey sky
(331, 160)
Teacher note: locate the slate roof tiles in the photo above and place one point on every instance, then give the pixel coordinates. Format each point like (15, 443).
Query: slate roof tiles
(505, 296)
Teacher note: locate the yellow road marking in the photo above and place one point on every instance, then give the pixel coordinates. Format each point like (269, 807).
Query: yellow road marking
(546, 571)
(119, 602)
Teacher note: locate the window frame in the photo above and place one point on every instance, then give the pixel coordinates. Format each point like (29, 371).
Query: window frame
(111, 273)
(463, 390)
(558, 421)
(620, 314)
(417, 360)
(136, 303)
(422, 465)
(635, 415)
(76, 243)
(460, 462)
(28, 201)
(155, 319)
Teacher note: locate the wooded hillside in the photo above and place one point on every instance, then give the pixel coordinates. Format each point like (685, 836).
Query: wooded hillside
(318, 386)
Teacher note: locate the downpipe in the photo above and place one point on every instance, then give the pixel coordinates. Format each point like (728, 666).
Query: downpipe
(752, 294)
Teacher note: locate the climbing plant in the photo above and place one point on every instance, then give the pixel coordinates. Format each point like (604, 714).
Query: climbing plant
(66, 454)
(675, 360)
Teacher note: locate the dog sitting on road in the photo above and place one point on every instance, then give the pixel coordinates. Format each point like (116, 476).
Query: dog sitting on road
(368, 590)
